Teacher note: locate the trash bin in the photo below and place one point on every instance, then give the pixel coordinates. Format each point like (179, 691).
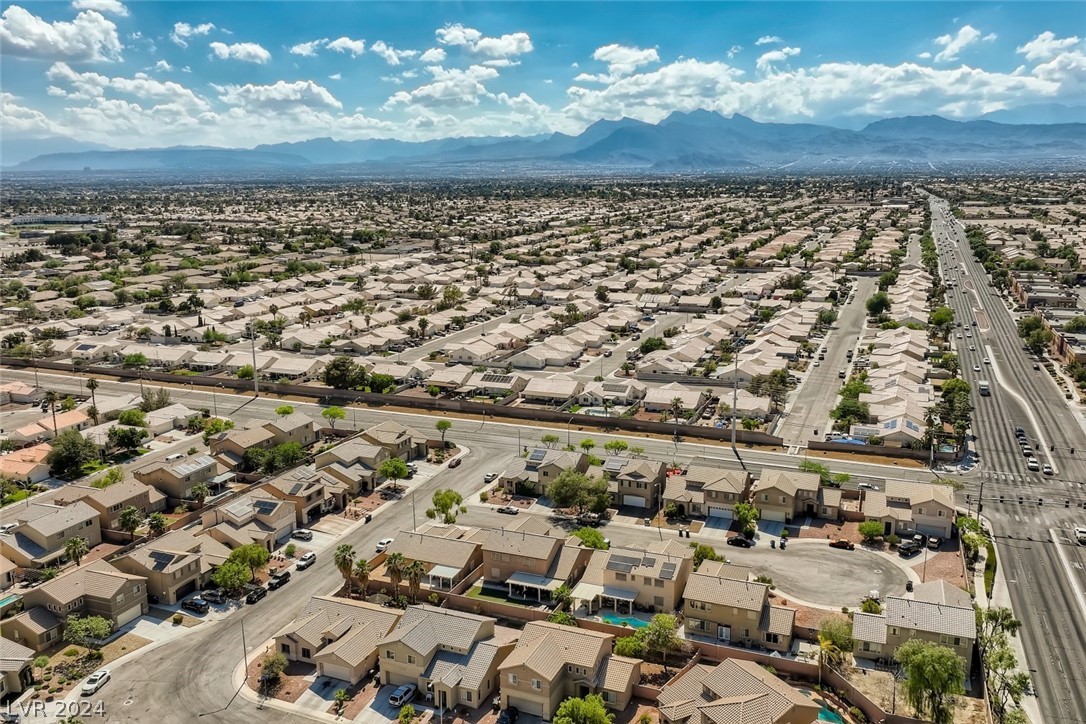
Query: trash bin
(648, 521)
(369, 517)
(772, 543)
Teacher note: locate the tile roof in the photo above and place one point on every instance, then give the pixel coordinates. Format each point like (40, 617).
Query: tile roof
(519, 543)
(14, 656)
(617, 672)
(742, 594)
(735, 692)
(787, 481)
(357, 627)
(123, 492)
(436, 550)
(425, 628)
(936, 618)
(547, 648)
(97, 580)
(37, 620)
(942, 592)
(869, 627)
(58, 519)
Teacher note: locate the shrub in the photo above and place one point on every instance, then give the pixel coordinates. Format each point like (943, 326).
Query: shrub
(893, 539)
(483, 497)
(178, 618)
(407, 713)
(645, 718)
(71, 652)
(290, 550)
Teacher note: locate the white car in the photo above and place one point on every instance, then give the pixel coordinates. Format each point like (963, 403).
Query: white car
(1080, 535)
(866, 486)
(987, 361)
(976, 368)
(7, 528)
(175, 456)
(95, 681)
(1032, 464)
(383, 544)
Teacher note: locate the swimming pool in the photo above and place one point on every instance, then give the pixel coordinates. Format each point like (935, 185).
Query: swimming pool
(829, 715)
(619, 620)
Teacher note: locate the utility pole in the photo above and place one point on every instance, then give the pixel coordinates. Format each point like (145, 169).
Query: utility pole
(256, 375)
(735, 397)
(414, 522)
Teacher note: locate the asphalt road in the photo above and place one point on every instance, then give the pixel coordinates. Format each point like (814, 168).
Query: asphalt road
(1043, 593)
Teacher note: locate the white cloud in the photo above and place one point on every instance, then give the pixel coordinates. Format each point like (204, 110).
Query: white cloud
(622, 60)
(449, 88)
(183, 31)
(734, 50)
(336, 76)
(114, 7)
(163, 65)
(1046, 45)
(924, 56)
(280, 96)
(952, 45)
(390, 54)
(475, 42)
(433, 55)
(16, 119)
(248, 52)
(308, 49)
(990, 37)
(393, 79)
(94, 86)
(766, 60)
(767, 39)
(89, 37)
(347, 45)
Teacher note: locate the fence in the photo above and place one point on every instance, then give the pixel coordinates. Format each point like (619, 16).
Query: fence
(857, 698)
(494, 609)
(890, 452)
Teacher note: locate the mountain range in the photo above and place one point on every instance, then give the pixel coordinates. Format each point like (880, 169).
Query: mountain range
(697, 141)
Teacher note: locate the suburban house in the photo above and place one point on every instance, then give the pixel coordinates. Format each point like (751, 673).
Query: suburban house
(176, 479)
(905, 508)
(43, 428)
(401, 442)
(110, 501)
(938, 612)
(26, 465)
(93, 589)
(175, 564)
(452, 657)
(42, 530)
(735, 610)
(296, 427)
(530, 475)
(705, 491)
(734, 691)
(781, 495)
(530, 566)
(551, 663)
(354, 462)
(337, 635)
(638, 482)
(253, 518)
(310, 491)
(449, 553)
(229, 446)
(16, 669)
(625, 578)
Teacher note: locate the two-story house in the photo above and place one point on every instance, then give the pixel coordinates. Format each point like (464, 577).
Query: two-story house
(532, 474)
(43, 529)
(734, 691)
(176, 479)
(93, 589)
(938, 612)
(906, 508)
(175, 564)
(296, 427)
(310, 491)
(551, 663)
(354, 462)
(448, 553)
(638, 482)
(705, 491)
(622, 578)
(530, 566)
(452, 657)
(339, 636)
(781, 495)
(229, 447)
(16, 669)
(401, 441)
(253, 518)
(110, 501)
(735, 610)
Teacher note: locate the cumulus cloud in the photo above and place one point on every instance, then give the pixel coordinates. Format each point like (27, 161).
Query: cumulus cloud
(308, 49)
(433, 55)
(1046, 45)
(19, 120)
(734, 50)
(766, 60)
(94, 86)
(390, 54)
(924, 56)
(183, 31)
(622, 60)
(163, 65)
(280, 96)
(114, 7)
(449, 87)
(475, 42)
(347, 45)
(767, 39)
(336, 76)
(89, 37)
(953, 45)
(248, 52)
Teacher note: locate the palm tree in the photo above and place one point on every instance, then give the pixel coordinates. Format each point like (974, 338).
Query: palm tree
(200, 492)
(676, 407)
(76, 548)
(395, 567)
(158, 523)
(52, 397)
(423, 324)
(828, 654)
(130, 520)
(92, 385)
(344, 560)
(362, 573)
(414, 572)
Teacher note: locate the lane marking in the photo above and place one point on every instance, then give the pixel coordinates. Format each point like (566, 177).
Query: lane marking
(1021, 401)
(1075, 588)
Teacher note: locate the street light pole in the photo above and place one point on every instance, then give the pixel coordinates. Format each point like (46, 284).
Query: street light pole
(568, 438)
(252, 344)
(735, 397)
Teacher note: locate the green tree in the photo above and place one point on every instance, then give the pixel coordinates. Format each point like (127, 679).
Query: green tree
(111, 477)
(284, 410)
(395, 567)
(443, 426)
(333, 414)
(157, 523)
(407, 714)
(746, 515)
(129, 520)
(393, 470)
(878, 304)
(1039, 340)
(587, 444)
(253, 556)
(200, 492)
(414, 572)
(587, 710)
(341, 698)
(126, 438)
(92, 385)
(52, 397)
(231, 576)
(273, 665)
(574, 489)
(942, 317)
(246, 372)
(446, 503)
(616, 447)
(933, 678)
(75, 548)
(344, 561)
(871, 529)
(135, 418)
(379, 384)
(870, 605)
(563, 618)
(591, 538)
(343, 373)
(550, 440)
(631, 646)
(661, 636)
(39, 663)
(838, 631)
(87, 631)
(652, 344)
(361, 574)
(704, 553)
(137, 359)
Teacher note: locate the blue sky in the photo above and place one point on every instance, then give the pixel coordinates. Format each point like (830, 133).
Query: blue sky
(240, 73)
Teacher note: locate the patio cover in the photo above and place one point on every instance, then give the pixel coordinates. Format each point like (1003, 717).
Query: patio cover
(586, 592)
(620, 593)
(444, 572)
(533, 581)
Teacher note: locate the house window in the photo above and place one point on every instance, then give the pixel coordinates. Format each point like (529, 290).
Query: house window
(765, 497)
(537, 684)
(285, 648)
(513, 679)
(951, 641)
(942, 513)
(545, 474)
(772, 638)
(920, 511)
(410, 659)
(712, 494)
(658, 600)
(893, 630)
(467, 696)
(305, 653)
(659, 583)
(620, 576)
(390, 654)
(784, 499)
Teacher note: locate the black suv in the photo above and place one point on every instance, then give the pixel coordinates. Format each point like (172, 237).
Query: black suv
(197, 605)
(278, 579)
(255, 594)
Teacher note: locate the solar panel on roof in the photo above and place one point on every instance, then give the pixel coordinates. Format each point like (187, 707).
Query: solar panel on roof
(614, 465)
(650, 562)
(667, 571)
(613, 565)
(500, 379)
(537, 455)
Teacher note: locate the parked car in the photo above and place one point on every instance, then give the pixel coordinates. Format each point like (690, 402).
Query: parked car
(741, 541)
(908, 548)
(306, 560)
(383, 544)
(255, 594)
(509, 715)
(197, 605)
(7, 528)
(95, 681)
(843, 543)
(1080, 535)
(509, 510)
(455, 462)
(1047, 469)
(403, 695)
(215, 595)
(866, 486)
(302, 534)
(1032, 465)
(278, 579)
(174, 456)
(490, 477)
(607, 353)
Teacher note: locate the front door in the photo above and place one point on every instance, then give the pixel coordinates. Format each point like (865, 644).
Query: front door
(724, 633)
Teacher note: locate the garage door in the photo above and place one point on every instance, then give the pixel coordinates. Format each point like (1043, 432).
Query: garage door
(634, 500)
(336, 672)
(525, 706)
(184, 590)
(777, 515)
(715, 512)
(399, 679)
(130, 615)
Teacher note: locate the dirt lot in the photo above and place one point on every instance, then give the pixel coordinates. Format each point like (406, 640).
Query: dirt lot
(505, 498)
(361, 695)
(944, 566)
(830, 530)
(806, 616)
(874, 459)
(292, 683)
(878, 686)
(75, 668)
